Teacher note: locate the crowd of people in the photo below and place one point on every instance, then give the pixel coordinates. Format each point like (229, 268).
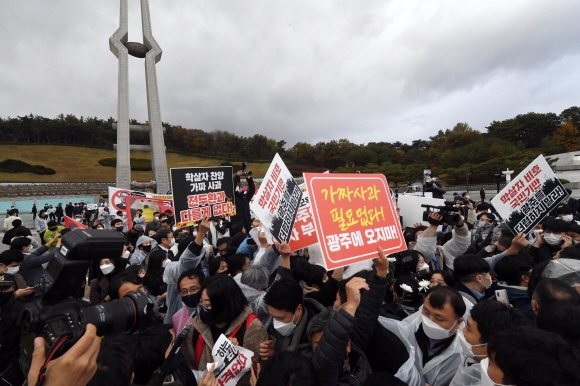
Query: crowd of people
(468, 303)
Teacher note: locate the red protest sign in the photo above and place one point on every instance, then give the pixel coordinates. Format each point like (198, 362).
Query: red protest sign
(353, 216)
(303, 233)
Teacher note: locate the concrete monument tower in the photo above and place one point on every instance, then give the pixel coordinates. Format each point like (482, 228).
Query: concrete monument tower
(151, 51)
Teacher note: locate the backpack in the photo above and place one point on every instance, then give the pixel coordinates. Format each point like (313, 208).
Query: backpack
(198, 341)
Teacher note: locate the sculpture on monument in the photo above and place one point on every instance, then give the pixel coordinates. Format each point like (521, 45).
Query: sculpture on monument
(151, 51)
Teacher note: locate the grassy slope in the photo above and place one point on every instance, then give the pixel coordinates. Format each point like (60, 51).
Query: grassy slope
(81, 164)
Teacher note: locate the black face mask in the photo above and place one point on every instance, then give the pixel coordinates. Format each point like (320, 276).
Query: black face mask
(191, 300)
(205, 315)
(146, 248)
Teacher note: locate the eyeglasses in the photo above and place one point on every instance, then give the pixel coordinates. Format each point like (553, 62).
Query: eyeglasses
(185, 292)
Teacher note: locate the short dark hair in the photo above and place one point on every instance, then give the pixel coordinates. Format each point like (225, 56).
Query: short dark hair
(166, 221)
(511, 268)
(489, 215)
(222, 240)
(20, 242)
(319, 322)
(191, 274)
(550, 291)
(147, 349)
(114, 366)
(571, 252)
(226, 297)
(115, 221)
(284, 295)
(11, 256)
(505, 240)
(447, 277)
(556, 225)
(119, 280)
(564, 209)
(482, 206)
(530, 356)
(314, 275)
(440, 295)
(16, 223)
(51, 223)
(574, 227)
(467, 267)
(236, 263)
(12, 211)
(287, 368)
(561, 319)
(22, 231)
(162, 233)
(493, 316)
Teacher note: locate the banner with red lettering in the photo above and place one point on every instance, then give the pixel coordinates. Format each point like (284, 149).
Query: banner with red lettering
(276, 202)
(202, 191)
(72, 224)
(231, 362)
(353, 216)
(148, 207)
(303, 233)
(529, 197)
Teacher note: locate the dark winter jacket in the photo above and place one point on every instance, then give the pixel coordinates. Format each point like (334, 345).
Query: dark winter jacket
(329, 354)
(544, 253)
(31, 267)
(520, 299)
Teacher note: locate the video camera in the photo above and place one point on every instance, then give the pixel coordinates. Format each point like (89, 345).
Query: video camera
(245, 172)
(59, 316)
(448, 211)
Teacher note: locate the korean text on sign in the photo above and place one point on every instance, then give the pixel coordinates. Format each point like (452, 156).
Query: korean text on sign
(353, 215)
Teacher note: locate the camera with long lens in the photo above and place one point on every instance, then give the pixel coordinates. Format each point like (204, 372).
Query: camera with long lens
(59, 316)
(448, 211)
(245, 172)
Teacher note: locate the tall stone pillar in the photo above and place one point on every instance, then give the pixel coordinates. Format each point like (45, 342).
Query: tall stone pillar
(151, 51)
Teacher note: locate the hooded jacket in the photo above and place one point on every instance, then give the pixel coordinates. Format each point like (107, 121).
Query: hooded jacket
(254, 335)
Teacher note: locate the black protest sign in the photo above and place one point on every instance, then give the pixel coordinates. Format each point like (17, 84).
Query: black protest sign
(202, 191)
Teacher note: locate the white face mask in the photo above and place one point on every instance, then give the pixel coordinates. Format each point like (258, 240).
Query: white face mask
(485, 379)
(467, 197)
(552, 239)
(157, 218)
(467, 347)
(285, 329)
(107, 268)
(126, 255)
(13, 270)
(435, 331)
(425, 266)
(487, 285)
(172, 243)
(568, 218)
(165, 263)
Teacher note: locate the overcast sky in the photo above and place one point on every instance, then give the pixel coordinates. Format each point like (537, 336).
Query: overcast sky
(299, 70)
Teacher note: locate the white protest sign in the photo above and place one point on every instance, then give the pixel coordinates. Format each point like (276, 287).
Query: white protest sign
(411, 209)
(231, 362)
(530, 197)
(276, 202)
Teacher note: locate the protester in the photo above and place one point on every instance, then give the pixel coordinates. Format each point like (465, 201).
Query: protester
(12, 215)
(109, 268)
(223, 310)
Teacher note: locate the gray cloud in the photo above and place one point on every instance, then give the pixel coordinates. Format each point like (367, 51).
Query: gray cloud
(298, 70)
